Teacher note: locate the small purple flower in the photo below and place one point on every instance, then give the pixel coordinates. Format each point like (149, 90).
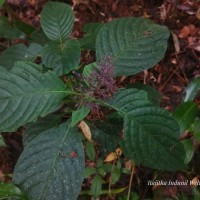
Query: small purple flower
(102, 84)
(102, 81)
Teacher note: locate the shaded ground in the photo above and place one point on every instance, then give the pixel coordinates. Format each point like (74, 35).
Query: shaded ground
(169, 77)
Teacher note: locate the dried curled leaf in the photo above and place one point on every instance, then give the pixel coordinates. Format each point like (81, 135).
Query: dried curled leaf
(85, 130)
(111, 157)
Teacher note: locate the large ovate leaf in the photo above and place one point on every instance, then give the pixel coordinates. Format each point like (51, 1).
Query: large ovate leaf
(8, 30)
(51, 166)
(185, 115)
(19, 52)
(26, 93)
(135, 44)
(153, 95)
(192, 89)
(57, 20)
(63, 58)
(42, 124)
(151, 135)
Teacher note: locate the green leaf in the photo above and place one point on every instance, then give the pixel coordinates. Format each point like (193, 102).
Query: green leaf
(90, 150)
(8, 190)
(19, 52)
(195, 129)
(107, 167)
(9, 31)
(96, 186)
(26, 94)
(88, 69)
(43, 124)
(153, 95)
(189, 149)
(57, 20)
(115, 175)
(47, 169)
(151, 135)
(135, 44)
(1, 3)
(63, 58)
(192, 89)
(79, 115)
(38, 37)
(91, 30)
(24, 27)
(89, 171)
(185, 115)
(2, 143)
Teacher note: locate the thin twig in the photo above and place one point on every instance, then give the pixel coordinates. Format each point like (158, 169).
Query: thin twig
(130, 182)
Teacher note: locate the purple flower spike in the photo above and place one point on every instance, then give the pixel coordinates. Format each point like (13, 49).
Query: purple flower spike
(102, 81)
(102, 85)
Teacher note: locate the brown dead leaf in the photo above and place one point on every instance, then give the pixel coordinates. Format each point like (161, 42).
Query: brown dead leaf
(176, 42)
(85, 130)
(111, 157)
(118, 151)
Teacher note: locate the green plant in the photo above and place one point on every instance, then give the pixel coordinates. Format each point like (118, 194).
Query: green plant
(52, 164)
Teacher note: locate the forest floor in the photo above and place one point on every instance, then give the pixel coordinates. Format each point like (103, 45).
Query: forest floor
(170, 76)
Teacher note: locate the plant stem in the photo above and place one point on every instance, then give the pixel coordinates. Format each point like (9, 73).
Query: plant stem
(110, 182)
(130, 182)
(104, 192)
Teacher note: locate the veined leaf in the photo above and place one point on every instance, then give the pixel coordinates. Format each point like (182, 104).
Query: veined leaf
(57, 20)
(89, 171)
(151, 134)
(153, 95)
(185, 115)
(26, 94)
(79, 115)
(135, 44)
(19, 52)
(90, 150)
(9, 31)
(51, 166)
(43, 124)
(192, 89)
(63, 58)
(96, 185)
